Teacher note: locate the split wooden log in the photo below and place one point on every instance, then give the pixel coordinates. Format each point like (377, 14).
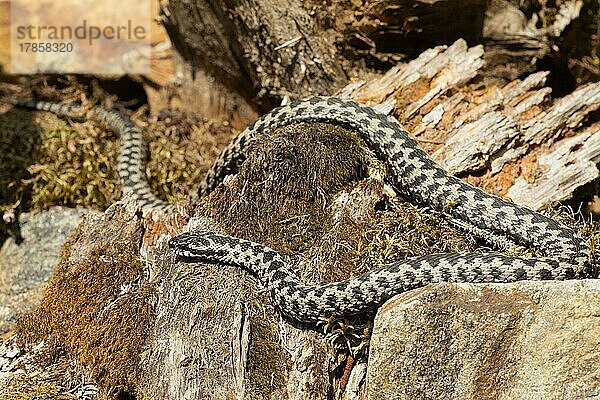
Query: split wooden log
(253, 53)
(266, 50)
(569, 164)
(472, 128)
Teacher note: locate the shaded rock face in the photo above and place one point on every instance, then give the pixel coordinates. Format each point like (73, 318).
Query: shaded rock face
(25, 268)
(527, 340)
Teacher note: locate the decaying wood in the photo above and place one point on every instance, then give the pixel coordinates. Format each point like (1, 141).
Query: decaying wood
(255, 44)
(381, 32)
(473, 129)
(514, 43)
(569, 164)
(265, 50)
(238, 59)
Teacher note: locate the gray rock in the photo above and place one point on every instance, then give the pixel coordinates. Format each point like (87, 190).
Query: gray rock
(26, 267)
(527, 340)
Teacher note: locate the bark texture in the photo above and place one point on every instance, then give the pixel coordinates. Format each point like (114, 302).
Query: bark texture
(512, 140)
(261, 49)
(266, 50)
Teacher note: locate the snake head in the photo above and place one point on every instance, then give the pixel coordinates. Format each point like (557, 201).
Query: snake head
(197, 246)
(221, 249)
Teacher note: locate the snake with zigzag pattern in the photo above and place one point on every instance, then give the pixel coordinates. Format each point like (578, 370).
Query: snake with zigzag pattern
(414, 174)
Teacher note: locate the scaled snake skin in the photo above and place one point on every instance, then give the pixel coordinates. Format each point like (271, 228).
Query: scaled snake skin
(413, 173)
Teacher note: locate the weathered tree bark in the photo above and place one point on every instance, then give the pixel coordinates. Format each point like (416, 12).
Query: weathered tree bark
(491, 130)
(515, 43)
(239, 57)
(262, 49)
(265, 50)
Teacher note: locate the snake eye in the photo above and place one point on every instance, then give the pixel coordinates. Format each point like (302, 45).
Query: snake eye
(180, 242)
(381, 205)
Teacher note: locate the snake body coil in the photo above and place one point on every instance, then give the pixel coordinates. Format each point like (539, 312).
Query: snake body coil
(413, 173)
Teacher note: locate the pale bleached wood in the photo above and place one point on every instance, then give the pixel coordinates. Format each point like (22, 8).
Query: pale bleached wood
(569, 164)
(473, 129)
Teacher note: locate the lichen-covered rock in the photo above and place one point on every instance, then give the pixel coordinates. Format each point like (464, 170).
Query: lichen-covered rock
(527, 340)
(26, 267)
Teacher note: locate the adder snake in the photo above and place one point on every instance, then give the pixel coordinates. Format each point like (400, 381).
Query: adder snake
(413, 173)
